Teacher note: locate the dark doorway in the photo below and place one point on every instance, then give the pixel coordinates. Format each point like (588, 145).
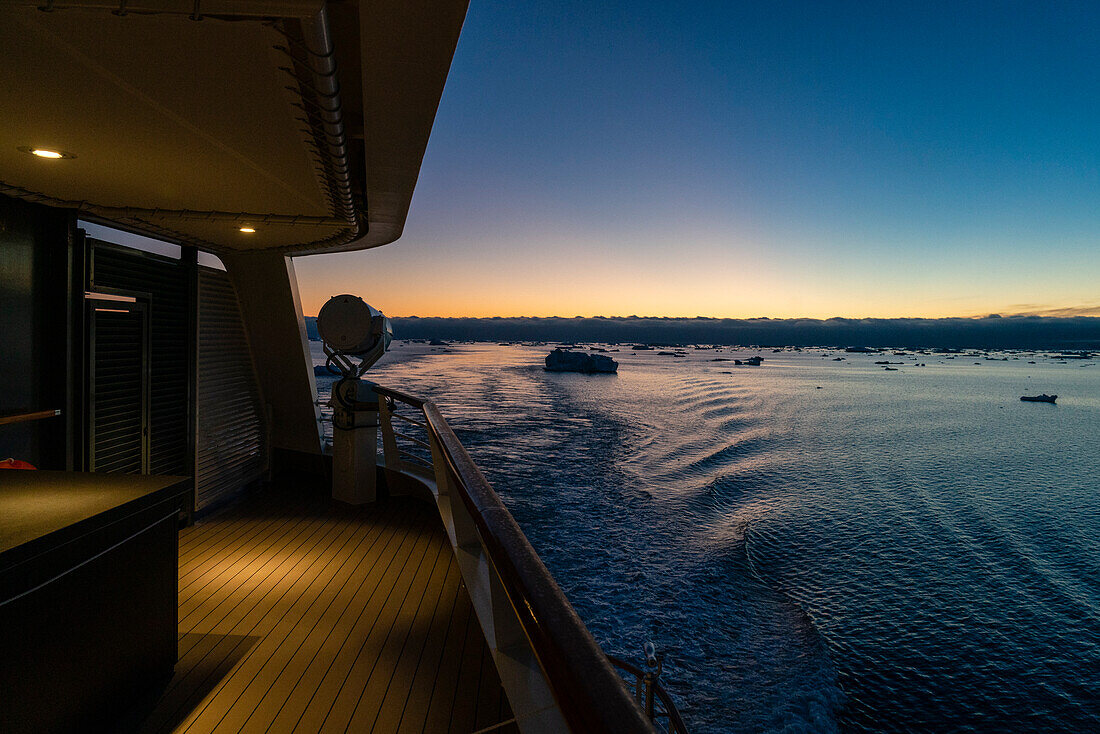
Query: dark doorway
(118, 383)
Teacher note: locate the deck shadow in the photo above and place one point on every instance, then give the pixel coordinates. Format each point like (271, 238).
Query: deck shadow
(164, 706)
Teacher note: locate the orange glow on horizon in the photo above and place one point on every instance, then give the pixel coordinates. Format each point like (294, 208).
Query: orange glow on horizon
(406, 301)
(714, 277)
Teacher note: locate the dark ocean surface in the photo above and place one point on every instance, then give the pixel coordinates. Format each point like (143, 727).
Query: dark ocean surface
(815, 545)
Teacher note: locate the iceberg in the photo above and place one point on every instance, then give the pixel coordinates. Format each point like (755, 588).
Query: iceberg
(561, 360)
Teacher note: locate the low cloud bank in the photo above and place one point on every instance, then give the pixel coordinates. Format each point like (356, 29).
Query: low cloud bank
(993, 332)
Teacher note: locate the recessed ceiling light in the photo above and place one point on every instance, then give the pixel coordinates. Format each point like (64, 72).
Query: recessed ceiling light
(248, 230)
(47, 153)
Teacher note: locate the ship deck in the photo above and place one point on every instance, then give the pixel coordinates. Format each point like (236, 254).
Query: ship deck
(298, 614)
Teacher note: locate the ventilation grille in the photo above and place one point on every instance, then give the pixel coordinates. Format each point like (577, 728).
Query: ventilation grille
(118, 408)
(230, 442)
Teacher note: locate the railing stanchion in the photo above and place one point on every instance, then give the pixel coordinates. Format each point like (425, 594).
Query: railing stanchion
(389, 441)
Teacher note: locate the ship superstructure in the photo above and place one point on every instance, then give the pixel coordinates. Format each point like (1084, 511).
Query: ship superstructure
(175, 562)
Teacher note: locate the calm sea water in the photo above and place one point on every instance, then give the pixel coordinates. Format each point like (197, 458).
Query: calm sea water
(815, 545)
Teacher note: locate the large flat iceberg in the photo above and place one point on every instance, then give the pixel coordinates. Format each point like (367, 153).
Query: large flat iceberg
(561, 360)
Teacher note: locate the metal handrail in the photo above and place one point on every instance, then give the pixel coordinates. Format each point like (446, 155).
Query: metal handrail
(649, 692)
(588, 692)
(410, 420)
(411, 439)
(398, 395)
(425, 462)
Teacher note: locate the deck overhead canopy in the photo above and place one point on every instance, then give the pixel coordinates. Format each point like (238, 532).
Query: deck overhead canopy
(195, 120)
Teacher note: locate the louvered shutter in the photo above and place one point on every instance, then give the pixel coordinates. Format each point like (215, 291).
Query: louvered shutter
(231, 445)
(118, 400)
(162, 282)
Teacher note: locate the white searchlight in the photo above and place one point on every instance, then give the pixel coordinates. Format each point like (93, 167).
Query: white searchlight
(352, 330)
(355, 336)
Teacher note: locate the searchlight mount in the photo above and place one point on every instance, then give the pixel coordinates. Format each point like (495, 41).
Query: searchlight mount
(355, 336)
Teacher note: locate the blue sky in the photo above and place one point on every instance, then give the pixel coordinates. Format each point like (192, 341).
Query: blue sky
(753, 159)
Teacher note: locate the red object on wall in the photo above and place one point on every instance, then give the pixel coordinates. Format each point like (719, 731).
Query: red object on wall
(16, 464)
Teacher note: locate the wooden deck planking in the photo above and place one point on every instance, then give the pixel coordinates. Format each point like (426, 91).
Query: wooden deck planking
(257, 585)
(488, 699)
(404, 642)
(211, 537)
(271, 680)
(410, 690)
(242, 586)
(339, 676)
(274, 607)
(464, 707)
(297, 614)
(314, 641)
(213, 531)
(222, 563)
(374, 665)
(238, 686)
(445, 680)
(328, 662)
(241, 634)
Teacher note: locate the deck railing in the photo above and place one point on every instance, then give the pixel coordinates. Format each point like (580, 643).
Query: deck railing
(651, 696)
(555, 674)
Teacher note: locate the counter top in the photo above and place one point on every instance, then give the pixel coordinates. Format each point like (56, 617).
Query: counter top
(50, 507)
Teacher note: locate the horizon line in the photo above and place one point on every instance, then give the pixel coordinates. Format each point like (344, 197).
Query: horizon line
(1088, 313)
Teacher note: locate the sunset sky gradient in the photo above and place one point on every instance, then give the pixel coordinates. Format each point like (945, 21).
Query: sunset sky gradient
(753, 159)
